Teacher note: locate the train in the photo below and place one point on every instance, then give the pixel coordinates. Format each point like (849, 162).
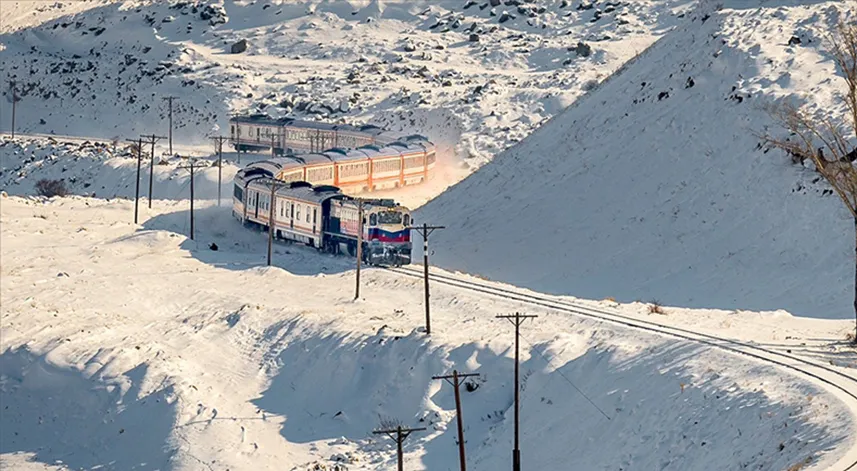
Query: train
(323, 217)
(300, 192)
(357, 159)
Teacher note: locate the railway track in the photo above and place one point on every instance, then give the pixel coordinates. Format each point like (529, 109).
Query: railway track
(842, 385)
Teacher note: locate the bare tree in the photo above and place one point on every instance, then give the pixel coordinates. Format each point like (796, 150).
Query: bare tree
(820, 139)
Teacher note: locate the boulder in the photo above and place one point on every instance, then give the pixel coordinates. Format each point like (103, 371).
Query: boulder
(239, 47)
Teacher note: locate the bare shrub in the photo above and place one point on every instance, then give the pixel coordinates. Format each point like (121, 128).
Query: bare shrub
(800, 465)
(820, 139)
(50, 188)
(655, 307)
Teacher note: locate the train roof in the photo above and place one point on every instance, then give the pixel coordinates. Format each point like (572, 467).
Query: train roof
(306, 192)
(303, 123)
(382, 137)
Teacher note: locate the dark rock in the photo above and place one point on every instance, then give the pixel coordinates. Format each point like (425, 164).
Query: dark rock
(583, 50)
(585, 6)
(239, 47)
(690, 83)
(794, 40)
(469, 4)
(495, 3)
(213, 246)
(506, 16)
(663, 95)
(474, 38)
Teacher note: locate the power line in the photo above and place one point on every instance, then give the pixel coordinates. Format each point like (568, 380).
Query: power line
(359, 245)
(138, 146)
(425, 230)
(218, 144)
(190, 166)
(455, 377)
(170, 99)
(400, 435)
(569, 381)
(153, 138)
(517, 319)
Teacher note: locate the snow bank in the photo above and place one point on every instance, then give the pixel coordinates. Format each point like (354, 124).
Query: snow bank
(56, 416)
(654, 185)
(218, 361)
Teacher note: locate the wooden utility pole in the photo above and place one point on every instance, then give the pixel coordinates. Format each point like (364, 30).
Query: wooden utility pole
(399, 434)
(455, 377)
(191, 166)
(218, 144)
(425, 230)
(154, 139)
(138, 145)
(275, 185)
(14, 92)
(359, 244)
(170, 100)
(517, 319)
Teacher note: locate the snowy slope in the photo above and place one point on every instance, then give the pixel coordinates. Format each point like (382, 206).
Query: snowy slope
(654, 185)
(132, 347)
(102, 68)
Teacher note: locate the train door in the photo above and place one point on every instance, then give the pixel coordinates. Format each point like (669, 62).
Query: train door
(314, 219)
(292, 216)
(256, 204)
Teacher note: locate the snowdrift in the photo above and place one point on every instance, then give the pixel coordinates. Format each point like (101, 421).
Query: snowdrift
(148, 350)
(654, 186)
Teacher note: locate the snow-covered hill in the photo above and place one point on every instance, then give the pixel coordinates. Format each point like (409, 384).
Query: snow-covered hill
(133, 347)
(474, 79)
(655, 186)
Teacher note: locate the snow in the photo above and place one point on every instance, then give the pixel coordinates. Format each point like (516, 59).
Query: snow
(409, 66)
(656, 187)
(130, 346)
(138, 328)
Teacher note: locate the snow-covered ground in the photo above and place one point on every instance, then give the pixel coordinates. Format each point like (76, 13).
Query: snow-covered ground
(656, 186)
(474, 79)
(127, 346)
(133, 347)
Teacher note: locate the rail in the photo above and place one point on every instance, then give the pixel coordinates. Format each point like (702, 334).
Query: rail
(838, 383)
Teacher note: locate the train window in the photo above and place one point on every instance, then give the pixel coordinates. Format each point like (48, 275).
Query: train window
(373, 220)
(407, 220)
(299, 213)
(314, 215)
(258, 132)
(390, 217)
(307, 214)
(232, 130)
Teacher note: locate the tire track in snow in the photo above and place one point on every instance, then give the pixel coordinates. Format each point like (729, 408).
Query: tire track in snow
(840, 384)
